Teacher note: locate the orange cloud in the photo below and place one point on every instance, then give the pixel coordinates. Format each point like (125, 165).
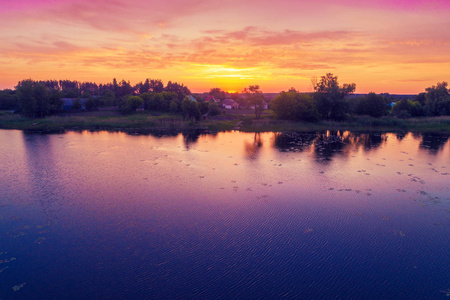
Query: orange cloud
(382, 46)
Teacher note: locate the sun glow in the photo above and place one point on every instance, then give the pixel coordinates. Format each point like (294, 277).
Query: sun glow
(224, 71)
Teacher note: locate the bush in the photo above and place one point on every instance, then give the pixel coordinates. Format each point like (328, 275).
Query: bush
(407, 108)
(204, 107)
(403, 114)
(131, 104)
(213, 109)
(173, 107)
(190, 109)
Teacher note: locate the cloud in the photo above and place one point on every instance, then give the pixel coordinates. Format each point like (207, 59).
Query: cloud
(282, 38)
(256, 36)
(137, 17)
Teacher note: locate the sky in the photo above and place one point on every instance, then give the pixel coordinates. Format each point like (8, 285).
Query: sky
(394, 46)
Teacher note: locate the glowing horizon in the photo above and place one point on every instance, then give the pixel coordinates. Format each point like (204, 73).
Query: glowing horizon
(400, 47)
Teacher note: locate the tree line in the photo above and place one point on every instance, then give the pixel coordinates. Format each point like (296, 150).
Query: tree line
(37, 99)
(330, 101)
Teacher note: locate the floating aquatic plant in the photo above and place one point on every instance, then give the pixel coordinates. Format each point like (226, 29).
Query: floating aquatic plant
(18, 287)
(4, 269)
(5, 261)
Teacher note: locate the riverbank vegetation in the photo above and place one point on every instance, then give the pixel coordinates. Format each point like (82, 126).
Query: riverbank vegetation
(69, 105)
(145, 121)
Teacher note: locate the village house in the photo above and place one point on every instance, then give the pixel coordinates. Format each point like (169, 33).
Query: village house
(230, 104)
(190, 97)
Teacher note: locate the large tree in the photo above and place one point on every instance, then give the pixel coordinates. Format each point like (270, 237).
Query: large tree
(292, 105)
(143, 87)
(217, 93)
(36, 100)
(190, 109)
(330, 97)
(156, 85)
(180, 89)
(372, 105)
(437, 101)
(255, 98)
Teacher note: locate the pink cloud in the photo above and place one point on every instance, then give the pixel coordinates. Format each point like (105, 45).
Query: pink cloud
(406, 4)
(261, 37)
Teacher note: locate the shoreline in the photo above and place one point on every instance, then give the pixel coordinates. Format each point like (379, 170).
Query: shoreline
(144, 122)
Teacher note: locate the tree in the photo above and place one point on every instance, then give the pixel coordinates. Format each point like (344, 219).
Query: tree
(416, 109)
(190, 109)
(149, 101)
(40, 93)
(36, 100)
(27, 101)
(92, 103)
(115, 87)
(143, 87)
(124, 89)
(168, 98)
(421, 98)
(255, 99)
(69, 88)
(372, 105)
(156, 85)
(437, 101)
(217, 93)
(330, 97)
(407, 108)
(160, 102)
(203, 106)
(284, 106)
(131, 104)
(173, 107)
(8, 99)
(108, 98)
(180, 89)
(213, 109)
(88, 88)
(292, 105)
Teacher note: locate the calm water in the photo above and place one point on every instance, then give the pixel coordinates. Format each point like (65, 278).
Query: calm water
(233, 215)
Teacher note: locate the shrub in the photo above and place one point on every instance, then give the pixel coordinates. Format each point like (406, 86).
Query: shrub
(131, 104)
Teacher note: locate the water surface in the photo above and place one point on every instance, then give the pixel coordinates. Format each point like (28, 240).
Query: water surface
(233, 215)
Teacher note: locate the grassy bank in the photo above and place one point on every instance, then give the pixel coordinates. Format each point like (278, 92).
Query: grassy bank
(112, 121)
(154, 121)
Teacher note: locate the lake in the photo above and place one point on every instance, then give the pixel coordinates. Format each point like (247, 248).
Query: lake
(232, 215)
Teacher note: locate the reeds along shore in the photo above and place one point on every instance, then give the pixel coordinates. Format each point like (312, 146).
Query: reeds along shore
(147, 121)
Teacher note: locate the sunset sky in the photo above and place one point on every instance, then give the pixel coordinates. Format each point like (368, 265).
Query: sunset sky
(395, 46)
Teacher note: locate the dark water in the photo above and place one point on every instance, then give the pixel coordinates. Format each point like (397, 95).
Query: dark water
(227, 216)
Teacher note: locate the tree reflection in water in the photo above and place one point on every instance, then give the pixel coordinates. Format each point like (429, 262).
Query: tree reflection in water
(328, 144)
(252, 148)
(433, 143)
